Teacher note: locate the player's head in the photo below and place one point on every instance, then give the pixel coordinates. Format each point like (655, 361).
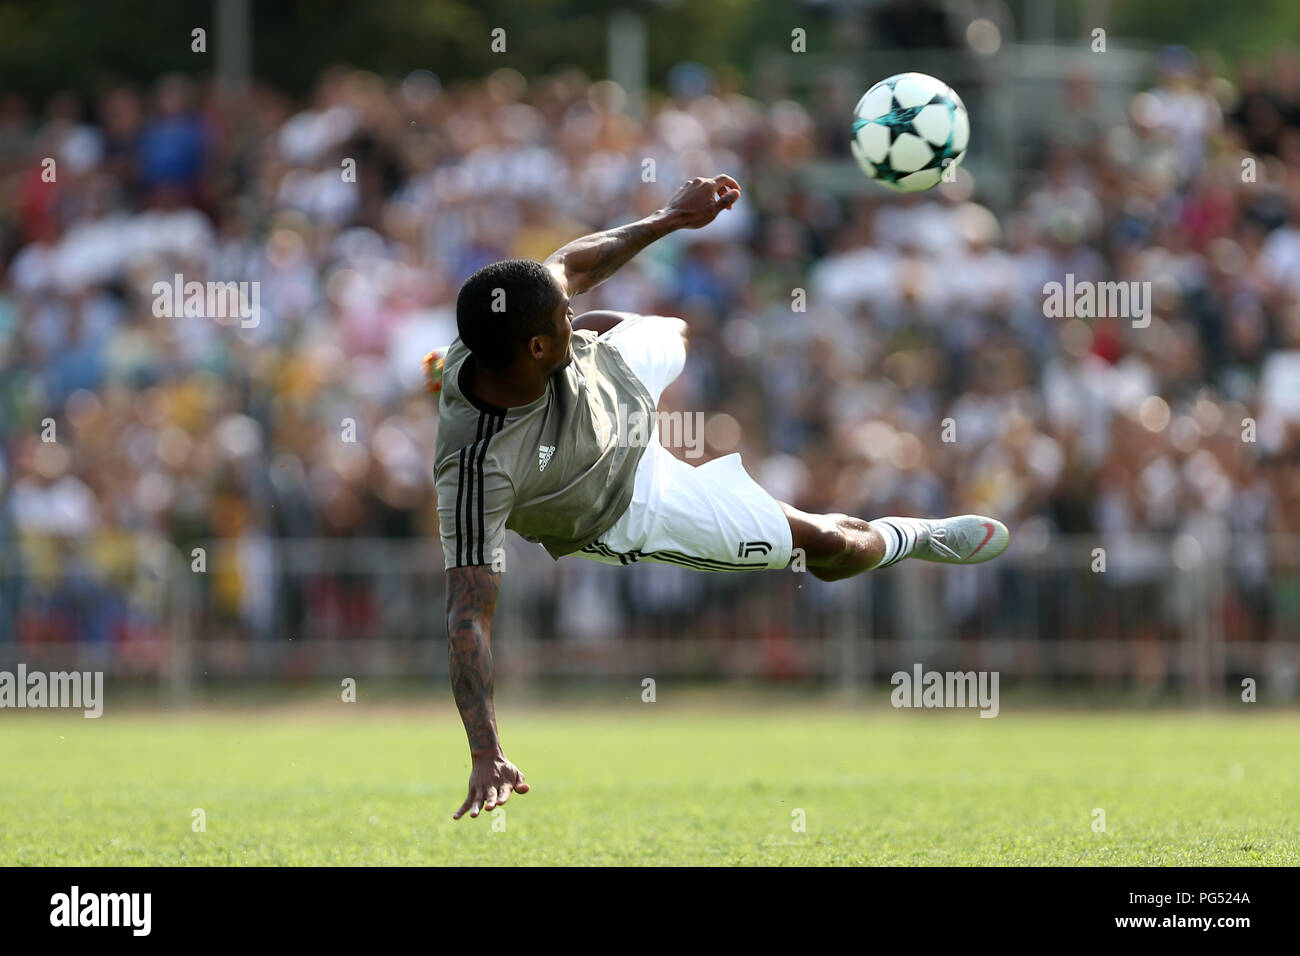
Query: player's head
(515, 310)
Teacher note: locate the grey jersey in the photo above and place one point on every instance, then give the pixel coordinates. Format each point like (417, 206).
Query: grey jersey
(558, 470)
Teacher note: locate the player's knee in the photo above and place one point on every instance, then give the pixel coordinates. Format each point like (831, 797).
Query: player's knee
(829, 540)
(684, 331)
(678, 326)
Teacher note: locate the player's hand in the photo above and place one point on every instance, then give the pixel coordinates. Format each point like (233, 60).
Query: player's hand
(491, 782)
(698, 202)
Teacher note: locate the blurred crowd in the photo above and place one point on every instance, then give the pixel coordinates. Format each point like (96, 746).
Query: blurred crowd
(865, 352)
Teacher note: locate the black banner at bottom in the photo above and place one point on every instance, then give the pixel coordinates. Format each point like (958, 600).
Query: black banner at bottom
(933, 905)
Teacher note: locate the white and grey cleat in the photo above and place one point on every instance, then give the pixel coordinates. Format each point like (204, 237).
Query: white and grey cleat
(966, 539)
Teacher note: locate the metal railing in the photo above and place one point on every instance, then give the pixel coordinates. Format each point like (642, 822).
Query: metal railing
(1160, 610)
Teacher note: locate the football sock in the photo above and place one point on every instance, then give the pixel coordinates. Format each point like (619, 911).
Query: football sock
(903, 537)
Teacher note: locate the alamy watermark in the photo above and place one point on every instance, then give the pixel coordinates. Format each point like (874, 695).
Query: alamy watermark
(947, 689)
(130, 910)
(1089, 300)
(76, 690)
(676, 430)
(208, 300)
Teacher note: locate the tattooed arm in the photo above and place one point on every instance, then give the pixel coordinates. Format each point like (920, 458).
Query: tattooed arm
(471, 602)
(589, 261)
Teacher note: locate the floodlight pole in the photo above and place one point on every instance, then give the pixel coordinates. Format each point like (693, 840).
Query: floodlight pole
(233, 24)
(626, 51)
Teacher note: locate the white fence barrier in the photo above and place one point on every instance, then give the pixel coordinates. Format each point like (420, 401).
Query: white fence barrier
(1154, 610)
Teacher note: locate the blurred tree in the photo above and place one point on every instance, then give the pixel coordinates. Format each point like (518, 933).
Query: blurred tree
(1231, 29)
(51, 45)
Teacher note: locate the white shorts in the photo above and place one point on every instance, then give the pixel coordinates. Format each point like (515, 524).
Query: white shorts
(711, 518)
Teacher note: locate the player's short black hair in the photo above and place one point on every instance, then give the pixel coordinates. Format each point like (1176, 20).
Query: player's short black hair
(502, 306)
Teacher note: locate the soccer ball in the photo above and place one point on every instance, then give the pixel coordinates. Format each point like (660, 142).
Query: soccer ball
(907, 130)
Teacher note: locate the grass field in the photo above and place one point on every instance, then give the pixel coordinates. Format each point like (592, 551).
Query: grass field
(633, 783)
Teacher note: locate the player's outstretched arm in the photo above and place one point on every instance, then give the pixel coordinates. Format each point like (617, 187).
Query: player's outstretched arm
(589, 261)
(601, 321)
(471, 601)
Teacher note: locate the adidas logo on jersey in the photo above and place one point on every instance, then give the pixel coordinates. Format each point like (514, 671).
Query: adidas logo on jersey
(544, 453)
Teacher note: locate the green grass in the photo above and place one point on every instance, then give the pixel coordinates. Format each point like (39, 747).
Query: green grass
(633, 783)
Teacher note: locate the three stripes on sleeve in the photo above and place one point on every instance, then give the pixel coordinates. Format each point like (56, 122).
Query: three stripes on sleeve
(469, 491)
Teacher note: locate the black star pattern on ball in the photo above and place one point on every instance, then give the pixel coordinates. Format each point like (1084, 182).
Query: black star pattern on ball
(898, 121)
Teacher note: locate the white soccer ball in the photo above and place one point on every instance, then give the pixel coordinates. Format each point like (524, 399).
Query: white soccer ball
(908, 129)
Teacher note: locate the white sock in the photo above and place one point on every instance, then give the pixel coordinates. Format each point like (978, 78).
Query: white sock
(903, 537)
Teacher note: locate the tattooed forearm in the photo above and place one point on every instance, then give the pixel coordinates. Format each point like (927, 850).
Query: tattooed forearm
(592, 259)
(471, 602)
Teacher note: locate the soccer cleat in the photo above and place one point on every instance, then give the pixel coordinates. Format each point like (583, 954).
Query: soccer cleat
(433, 366)
(966, 539)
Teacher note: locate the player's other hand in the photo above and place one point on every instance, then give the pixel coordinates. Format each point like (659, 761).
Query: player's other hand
(698, 202)
(491, 782)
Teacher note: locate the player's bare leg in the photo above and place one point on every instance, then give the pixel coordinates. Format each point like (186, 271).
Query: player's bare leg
(840, 546)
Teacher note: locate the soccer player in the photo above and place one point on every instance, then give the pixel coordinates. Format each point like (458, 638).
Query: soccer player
(533, 436)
